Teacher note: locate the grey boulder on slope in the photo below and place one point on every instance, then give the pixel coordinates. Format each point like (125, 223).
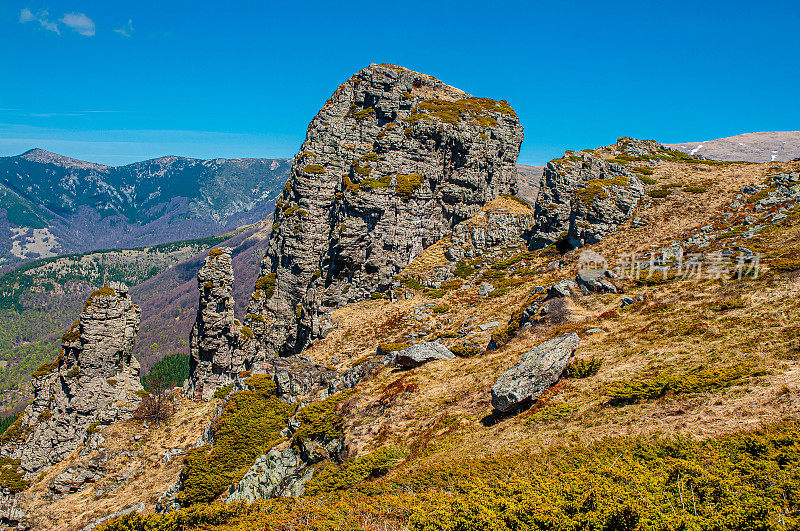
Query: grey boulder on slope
(537, 370)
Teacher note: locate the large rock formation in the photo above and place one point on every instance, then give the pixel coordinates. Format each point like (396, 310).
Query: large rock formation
(583, 197)
(93, 382)
(220, 346)
(389, 165)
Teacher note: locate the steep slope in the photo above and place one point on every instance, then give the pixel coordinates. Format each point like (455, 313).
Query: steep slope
(390, 163)
(764, 146)
(51, 204)
(678, 409)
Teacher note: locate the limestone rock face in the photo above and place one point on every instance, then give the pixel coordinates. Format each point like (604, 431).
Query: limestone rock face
(536, 371)
(220, 346)
(390, 164)
(93, 382)
(583, 197)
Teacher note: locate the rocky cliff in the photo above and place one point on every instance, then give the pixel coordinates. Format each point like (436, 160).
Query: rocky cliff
(93, 382)
(392, 161)
(585, 195)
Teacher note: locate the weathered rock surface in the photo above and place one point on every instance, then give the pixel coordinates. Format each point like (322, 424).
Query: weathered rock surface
(220, 347)
(280, 473)
(536, 371)
(93, 382)
(422, 353)
(390, 164)
(504, 222)
(583, 197)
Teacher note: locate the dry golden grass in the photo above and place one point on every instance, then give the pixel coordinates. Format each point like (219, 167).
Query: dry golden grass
(146, 475)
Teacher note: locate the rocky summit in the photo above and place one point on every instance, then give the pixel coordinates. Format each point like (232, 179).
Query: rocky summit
(392, 161)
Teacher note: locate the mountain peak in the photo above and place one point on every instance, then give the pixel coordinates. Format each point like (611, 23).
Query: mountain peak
(43, 156)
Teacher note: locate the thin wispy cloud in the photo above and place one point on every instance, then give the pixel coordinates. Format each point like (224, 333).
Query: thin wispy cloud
(126, 30)
(79, 23)
(41, 16)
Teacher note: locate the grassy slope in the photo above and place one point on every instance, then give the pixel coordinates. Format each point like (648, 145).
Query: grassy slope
(719, 445)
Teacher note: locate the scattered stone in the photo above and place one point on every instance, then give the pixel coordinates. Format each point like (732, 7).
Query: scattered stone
(594, 331)
(535, 372)
(422, 353)
(627, 301)
(487, 326)
(563, 288)
(485, 289)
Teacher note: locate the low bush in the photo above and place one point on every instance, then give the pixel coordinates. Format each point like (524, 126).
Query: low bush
(747, 480)
(440, 308)
(582, 368)
(660, 193)
(319, 421)
(334, 477)
(699, 380)
(464, 270)
(466, 351)
(267, 284)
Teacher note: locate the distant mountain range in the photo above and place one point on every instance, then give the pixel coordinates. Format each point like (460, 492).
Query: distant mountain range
(50, 204)
(780, 146)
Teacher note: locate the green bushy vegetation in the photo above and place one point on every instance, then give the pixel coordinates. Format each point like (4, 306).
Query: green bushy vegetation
(582, 368)
(748, 480)
(333, 477)
(408, 184)
(319, 420)
(171, 370)
(249, 426)
(699, 380)
(267, 284)
(464, 270)
(11, 477)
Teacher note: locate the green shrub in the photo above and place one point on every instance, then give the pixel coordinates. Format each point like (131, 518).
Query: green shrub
(333, 477)
(466, 351)
(440, 308)
(319, 421)
(171, 370)
(647, 180)
(408, 184)
(314, 169)
(693, 189)
(582, 368)
(661, 193)
(11, 477)
(74, 372)
(386, 348)
(249, 426)
(267, 284)
(73, 334)
(214, 253)
(699, 380)
(644, 171)
(377, 295)
(223, 391)
(435, 293)
(413, 283)
(464, 270)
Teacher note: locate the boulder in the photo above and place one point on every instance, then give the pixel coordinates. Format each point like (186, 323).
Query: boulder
(536, 371)
(422, 353)
(595, 280)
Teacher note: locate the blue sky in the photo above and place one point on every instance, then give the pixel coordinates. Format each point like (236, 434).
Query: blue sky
(121, 81)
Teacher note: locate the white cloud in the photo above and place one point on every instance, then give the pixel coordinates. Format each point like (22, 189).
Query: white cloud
(79, 23)
(25, 15)
(41, 16)
(126, 30)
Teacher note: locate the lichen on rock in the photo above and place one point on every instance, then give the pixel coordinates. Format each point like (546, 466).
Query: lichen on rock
(390, 164)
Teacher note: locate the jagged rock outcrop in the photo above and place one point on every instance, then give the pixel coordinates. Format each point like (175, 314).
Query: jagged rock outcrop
(502, 223)
(535, 372)
(220, 346)
(93, 382)
(583, 197)
(389, 165)
(279, 473)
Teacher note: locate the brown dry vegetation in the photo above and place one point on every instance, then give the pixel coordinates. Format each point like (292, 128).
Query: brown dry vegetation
(139, 477)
